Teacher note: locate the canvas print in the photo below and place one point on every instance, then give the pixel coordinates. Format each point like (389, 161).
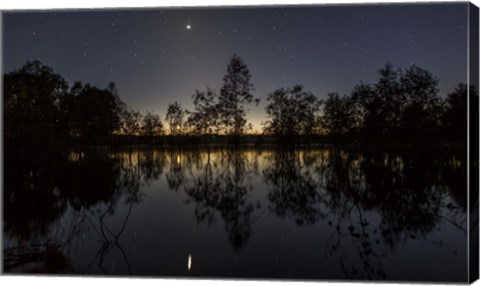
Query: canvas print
(302, 142)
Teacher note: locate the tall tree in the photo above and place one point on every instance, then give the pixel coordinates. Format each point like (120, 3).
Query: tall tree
(174, 117)
(234, 94)
(388, 93)
(454, 119)
(365, 104)
(338, 115)
(422, 110)
(92, 114)
(32, 96)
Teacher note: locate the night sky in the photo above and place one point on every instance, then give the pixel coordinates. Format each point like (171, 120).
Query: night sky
(157, 56)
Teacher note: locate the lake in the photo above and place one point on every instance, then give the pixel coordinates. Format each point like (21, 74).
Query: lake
(278, 213)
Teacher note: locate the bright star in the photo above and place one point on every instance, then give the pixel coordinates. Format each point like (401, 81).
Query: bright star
(189, 27)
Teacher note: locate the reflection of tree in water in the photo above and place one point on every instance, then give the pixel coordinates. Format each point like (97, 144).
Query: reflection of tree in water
(410, 193)
(349, 198)
(89, 179)
(322, 185)
(32, 204)
(129, 183)
(293, 189)
(89, 184)
(223, 186)
(151, 163)
(31, 200)
(405, 191)
(368, 200)
(175, 175)
(454, 174)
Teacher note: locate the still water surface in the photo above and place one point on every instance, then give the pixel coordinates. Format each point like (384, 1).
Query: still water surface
(315, 213)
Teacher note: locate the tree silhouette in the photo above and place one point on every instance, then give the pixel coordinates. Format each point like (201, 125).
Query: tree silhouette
(455, 116)
(291, 112)
(174, 117)
(378, 107)
(119, 105)
(31, 95)
(363, 100)
(389, 89)
(204, 118)
(91, 114)
(152, 125)
(338, 115)
(131, 122)
(234, 94)
(422, 110)
(400, 106)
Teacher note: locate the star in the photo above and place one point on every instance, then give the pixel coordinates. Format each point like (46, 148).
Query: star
(189, 27)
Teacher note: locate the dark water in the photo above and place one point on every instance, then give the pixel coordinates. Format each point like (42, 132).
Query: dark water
(261, 213)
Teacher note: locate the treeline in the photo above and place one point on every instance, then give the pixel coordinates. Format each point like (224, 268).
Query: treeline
(401, 106)
(40, 108)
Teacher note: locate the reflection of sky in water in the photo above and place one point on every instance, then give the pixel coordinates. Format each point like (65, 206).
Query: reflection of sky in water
(304, 214)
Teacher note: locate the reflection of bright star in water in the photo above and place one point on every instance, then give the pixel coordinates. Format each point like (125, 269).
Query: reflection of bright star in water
(189, 27)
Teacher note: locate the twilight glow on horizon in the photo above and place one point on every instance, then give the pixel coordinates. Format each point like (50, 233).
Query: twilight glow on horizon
(161, 55)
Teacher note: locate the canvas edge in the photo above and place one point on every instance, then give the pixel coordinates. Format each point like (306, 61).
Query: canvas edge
(472, 136)
(473, 143)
